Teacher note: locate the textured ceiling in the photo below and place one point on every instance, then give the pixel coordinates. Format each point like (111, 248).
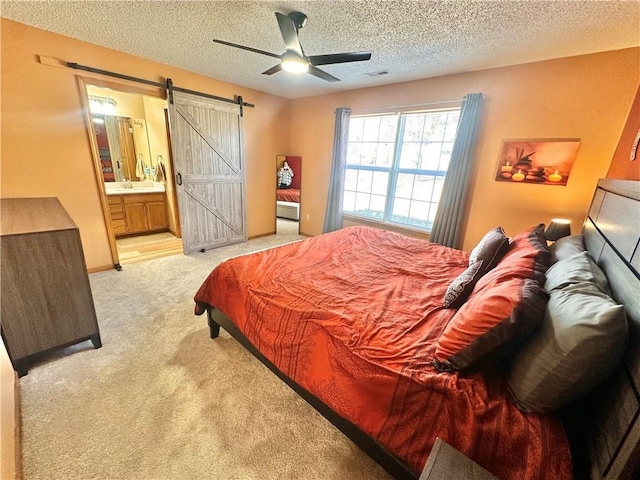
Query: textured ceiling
(409, 39)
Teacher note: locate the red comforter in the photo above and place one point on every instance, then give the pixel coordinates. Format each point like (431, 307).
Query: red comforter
(288, 195)
(352, 317)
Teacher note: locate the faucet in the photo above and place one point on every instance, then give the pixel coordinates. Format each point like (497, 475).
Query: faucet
(127, 184)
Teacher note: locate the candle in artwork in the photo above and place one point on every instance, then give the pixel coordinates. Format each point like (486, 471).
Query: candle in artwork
(555, 177)
(518, 177)
(506, 168)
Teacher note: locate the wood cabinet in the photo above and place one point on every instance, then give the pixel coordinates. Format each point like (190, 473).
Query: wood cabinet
(46, 297)
(138, 213)
(116, 209)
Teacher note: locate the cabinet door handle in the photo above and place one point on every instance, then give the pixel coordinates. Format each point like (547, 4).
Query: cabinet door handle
(179, 179)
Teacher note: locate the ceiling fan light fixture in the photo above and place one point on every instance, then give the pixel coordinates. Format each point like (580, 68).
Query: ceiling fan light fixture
(293, 63)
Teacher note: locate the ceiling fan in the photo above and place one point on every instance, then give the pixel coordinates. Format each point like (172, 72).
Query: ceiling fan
(294, 59)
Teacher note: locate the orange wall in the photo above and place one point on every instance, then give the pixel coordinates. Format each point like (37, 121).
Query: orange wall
(622, 166)
(585, 97)
(45, 148)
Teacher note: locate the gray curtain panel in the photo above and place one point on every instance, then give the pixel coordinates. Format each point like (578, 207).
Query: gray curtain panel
(333, 213)
(448, 224)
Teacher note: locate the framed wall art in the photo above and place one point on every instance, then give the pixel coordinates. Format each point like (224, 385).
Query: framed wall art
(539, 161)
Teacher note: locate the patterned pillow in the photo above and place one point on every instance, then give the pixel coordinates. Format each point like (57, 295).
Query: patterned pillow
(491, 248)
(461, 287)
(485, 256)
(506, 307)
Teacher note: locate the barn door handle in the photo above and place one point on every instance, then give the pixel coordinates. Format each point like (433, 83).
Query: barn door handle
(179, 179)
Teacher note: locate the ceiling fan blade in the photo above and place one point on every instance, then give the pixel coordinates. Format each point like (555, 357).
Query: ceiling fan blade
(339, 58)
(254, 50)
(322, 74)
(289, 34)
(275, 69)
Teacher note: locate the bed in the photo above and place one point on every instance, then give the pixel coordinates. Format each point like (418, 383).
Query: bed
(288, 195)
(384, 343)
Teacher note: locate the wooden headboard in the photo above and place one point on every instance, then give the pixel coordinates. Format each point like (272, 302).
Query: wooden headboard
(605, 426)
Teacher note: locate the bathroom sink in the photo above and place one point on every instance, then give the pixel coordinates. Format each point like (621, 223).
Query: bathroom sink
(118, 188)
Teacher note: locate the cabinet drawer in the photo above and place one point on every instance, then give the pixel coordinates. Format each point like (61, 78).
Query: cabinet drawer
(114, 199)
(119, 227)
(116, 211)
(143, 198)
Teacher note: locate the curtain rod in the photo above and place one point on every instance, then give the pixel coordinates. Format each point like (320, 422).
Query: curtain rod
(396, 107)
(168, 85)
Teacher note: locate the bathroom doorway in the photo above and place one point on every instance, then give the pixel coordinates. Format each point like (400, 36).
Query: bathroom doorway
(132, 156)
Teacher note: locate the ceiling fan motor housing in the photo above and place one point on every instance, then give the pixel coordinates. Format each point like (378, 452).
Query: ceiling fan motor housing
(299, 19)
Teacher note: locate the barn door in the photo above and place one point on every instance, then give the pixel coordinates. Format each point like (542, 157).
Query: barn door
(208, 156)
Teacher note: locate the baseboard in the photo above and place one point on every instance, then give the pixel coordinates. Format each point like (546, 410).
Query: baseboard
(103, 268)
(18, 427)
(253, 237)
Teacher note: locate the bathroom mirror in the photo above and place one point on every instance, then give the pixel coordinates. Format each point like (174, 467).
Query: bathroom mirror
(288, 181)
(124, 148)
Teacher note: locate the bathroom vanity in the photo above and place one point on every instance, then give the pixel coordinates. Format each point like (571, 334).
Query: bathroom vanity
(137, 208)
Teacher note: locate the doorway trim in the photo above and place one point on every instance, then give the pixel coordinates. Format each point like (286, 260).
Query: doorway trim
(97, 167)
(83, 82)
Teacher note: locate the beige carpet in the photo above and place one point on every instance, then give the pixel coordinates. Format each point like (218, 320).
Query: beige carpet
(161, 400)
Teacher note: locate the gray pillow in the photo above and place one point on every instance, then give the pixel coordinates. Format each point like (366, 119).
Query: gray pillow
(582, 339)
(566, 247)
(578, 268)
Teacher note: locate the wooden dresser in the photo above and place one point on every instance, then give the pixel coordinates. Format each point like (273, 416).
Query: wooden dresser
(46, 296)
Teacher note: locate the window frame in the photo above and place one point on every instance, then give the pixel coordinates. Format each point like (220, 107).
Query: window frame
(395, 169)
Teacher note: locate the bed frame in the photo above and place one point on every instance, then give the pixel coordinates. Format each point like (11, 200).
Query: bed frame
(604, 427)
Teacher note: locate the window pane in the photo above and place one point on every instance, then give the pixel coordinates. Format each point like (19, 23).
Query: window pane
(356, 127)
(431, 156)
(377, 129)
(413, 128)
(401, 209)
(384, 157)
(410, 155)
(388, 127)
(404, 185)
(364, 181)
(350, 179)
(423, 187)
(362, 203)
(452, 125)
(418, 214)
(377, 206)
(349, 201)
(379, 184)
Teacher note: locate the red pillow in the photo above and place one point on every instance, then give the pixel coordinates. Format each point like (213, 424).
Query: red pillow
(507, 305)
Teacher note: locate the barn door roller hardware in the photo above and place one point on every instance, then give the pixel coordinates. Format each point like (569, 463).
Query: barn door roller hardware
(168, 85)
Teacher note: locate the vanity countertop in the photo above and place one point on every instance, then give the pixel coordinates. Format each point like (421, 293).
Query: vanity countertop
(122, 188)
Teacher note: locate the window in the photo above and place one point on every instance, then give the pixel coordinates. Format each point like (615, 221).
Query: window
(396, 165)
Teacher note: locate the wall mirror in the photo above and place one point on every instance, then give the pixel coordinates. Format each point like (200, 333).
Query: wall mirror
(123, 148)
(123, 137)
(288, 181)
